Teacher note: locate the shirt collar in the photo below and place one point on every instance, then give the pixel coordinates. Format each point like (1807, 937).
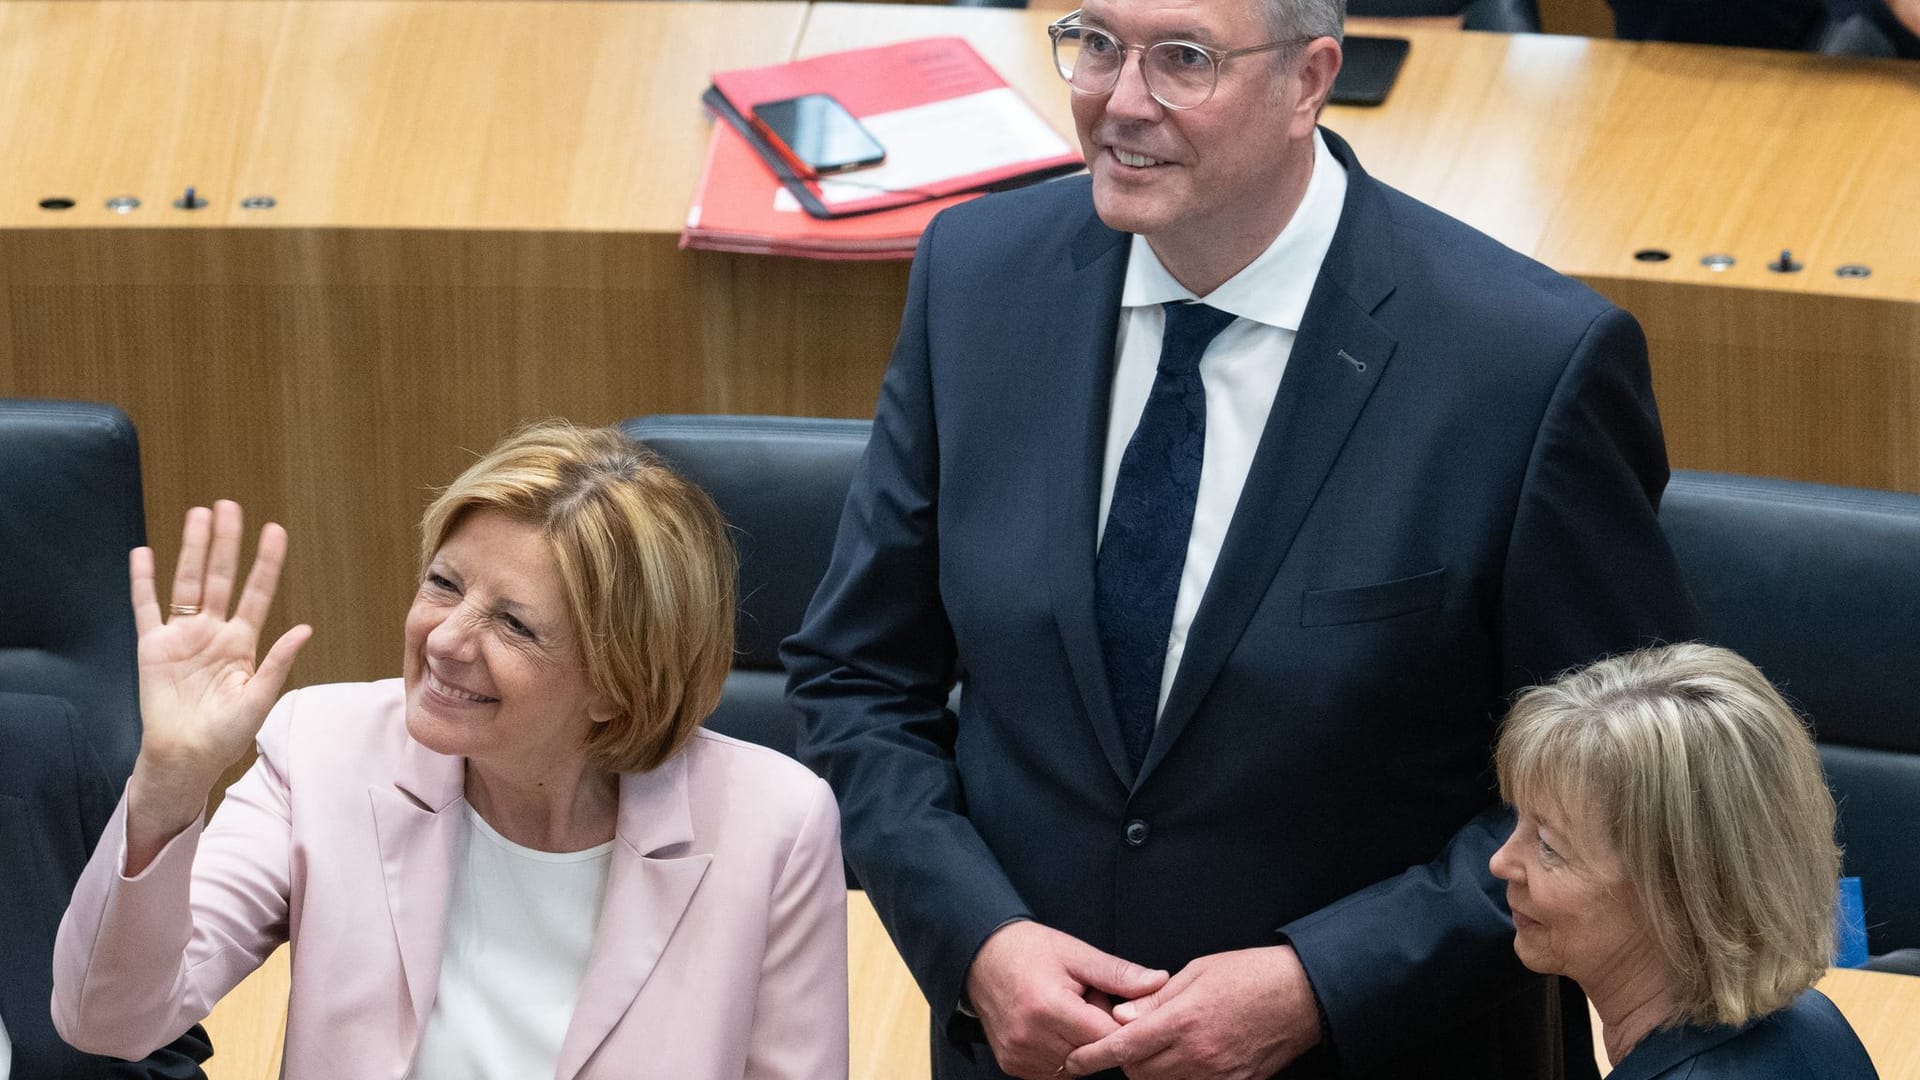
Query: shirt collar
(1272, 289)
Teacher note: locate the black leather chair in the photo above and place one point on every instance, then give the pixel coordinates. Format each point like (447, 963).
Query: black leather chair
(780, 481)
(1820, 587)
(1506, 16)
(70, 510)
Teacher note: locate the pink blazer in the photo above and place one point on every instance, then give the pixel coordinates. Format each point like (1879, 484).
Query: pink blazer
(721, 950)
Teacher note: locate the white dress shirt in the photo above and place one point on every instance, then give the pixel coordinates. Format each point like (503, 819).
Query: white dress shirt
(520, 926)
(1241, 370)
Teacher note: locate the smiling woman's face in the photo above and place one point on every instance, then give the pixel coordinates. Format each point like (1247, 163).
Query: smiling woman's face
(1574, 911)
(492, 670)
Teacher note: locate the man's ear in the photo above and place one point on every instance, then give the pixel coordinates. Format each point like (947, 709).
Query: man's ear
(1319, 64)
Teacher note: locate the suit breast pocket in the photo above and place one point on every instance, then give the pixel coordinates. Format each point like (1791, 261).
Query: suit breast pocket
(1370, 603)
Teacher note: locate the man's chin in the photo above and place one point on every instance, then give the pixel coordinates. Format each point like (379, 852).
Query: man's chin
(1124, 212)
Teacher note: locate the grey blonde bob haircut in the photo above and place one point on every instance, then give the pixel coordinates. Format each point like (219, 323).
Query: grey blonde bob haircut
(647, 566)
(1711, 792)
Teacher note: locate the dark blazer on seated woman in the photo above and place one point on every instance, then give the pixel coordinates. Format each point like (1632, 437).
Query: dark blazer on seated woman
(1807, 1040)
(55, 797)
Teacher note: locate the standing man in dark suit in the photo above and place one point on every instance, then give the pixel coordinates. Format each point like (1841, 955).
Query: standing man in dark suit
(1236, 590)
(55, 797)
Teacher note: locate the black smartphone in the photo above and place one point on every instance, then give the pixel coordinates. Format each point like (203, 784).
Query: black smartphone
(1368, 70)
(816, 135)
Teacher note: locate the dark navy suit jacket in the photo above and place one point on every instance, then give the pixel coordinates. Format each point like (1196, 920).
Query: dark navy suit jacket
(1807, 1040)
(1454, 497)
(55, 797)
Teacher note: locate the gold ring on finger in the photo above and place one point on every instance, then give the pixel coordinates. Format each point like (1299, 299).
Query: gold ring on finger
(183, 609)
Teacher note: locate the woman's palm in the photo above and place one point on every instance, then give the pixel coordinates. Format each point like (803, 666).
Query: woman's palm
(202, 698)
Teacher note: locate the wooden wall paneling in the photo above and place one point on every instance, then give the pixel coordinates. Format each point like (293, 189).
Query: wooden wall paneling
(329, 379)
(1587, 18)
(1798, 385)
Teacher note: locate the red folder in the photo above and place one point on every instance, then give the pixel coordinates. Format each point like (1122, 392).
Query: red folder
(739, 207)
(949, 122)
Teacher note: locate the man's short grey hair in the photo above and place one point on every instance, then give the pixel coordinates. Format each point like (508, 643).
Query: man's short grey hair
(1306, 18)
(1710, 790)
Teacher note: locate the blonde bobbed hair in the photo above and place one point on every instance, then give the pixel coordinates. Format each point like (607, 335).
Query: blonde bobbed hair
(647, 566)
(1710, 790)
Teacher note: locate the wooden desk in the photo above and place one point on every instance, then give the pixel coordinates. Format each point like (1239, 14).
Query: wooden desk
(1582, 153)
(249, 1026)
(477, 208)
(1885, 1012)
(888, 1014)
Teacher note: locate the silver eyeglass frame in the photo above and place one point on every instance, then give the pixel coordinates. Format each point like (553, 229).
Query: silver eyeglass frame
(1219, 57)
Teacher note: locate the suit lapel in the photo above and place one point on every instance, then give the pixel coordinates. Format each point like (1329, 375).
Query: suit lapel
(1338, 358)
(1082, 319)
(416, 823)
(649, 886)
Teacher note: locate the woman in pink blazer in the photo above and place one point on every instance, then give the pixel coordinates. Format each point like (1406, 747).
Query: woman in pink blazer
(521, 858)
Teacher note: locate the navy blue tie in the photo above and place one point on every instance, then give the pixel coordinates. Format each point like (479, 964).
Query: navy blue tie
(1144, 548)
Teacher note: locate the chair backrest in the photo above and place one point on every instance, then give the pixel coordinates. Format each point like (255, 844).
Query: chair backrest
(1820, 587)
(780, 481)
(70, 510)
(1506, 16)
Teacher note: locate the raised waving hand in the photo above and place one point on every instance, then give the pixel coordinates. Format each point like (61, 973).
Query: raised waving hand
(202, 696)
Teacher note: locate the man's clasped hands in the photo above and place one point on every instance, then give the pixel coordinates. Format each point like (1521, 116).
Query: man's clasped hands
(1054, 1006)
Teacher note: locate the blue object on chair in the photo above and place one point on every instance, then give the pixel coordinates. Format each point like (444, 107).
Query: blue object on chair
(1850, 926)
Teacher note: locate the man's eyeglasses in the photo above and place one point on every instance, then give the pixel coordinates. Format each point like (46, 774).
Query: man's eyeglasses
(1179, 74)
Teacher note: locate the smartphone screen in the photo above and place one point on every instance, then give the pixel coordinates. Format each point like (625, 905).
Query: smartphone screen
(817, 135)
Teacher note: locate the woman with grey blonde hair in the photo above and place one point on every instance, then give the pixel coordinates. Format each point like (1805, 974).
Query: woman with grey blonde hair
(1674, 855)
(523, 857)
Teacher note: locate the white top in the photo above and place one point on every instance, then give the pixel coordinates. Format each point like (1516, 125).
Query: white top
(6, 1052)
(520, 929)
(1241, 370)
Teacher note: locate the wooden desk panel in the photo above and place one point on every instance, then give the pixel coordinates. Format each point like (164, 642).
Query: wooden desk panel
(329, 379)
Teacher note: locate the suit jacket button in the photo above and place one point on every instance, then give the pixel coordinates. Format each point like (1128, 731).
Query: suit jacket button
(1136, 833)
